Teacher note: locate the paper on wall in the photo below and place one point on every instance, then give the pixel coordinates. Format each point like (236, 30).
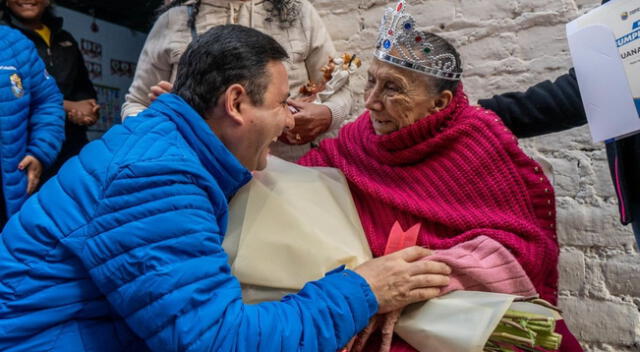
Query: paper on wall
(605, 49)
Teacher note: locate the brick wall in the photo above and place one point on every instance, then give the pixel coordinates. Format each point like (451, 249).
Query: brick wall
(509, 45)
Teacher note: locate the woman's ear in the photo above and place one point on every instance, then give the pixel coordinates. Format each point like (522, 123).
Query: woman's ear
(443, 100)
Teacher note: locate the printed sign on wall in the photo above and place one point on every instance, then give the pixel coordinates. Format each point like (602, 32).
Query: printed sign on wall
(94, 69)
(111, 79)
(122, 68)
(110, 103)
(91, 49)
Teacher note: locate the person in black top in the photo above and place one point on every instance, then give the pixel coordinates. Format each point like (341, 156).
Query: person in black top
(63, 60)
(556, 106)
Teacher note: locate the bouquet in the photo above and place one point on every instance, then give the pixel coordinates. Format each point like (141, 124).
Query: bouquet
(292, 224)
(471, 321)
(525, 330)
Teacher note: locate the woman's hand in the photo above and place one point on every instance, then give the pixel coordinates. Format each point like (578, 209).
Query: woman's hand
(34, 170)
(83, 112)
(162, 87)
(311, 119)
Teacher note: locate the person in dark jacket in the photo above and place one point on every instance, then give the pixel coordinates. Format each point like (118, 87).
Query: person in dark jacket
(63, 59)
(31, 116)
(556, 106)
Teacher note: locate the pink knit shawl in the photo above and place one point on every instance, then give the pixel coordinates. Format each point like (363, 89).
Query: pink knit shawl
(458, 172)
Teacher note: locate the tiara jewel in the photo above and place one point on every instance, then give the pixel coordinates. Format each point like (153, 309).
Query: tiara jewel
(412, 49)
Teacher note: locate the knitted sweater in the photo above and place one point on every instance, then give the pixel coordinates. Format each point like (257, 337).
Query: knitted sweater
(307, 41)
(461, 175)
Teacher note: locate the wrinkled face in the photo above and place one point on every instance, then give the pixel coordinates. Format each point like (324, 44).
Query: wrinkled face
(397, 97)
(28, 10)
(269, 120)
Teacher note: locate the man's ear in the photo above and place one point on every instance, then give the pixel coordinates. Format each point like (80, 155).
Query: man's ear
(443, 100)
(233, 101)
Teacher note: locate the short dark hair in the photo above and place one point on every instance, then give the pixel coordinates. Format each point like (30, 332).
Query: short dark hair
(222, 56)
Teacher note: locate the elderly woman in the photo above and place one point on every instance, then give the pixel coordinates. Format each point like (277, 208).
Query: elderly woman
(420, 154)
(295, 24)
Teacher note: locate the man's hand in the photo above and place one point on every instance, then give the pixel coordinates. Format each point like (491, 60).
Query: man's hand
(402, 278)
(160, 88)
(311, 119)
(34, 170)
(83, 112)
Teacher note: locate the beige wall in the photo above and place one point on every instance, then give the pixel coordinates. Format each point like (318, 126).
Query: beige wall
(509, 45)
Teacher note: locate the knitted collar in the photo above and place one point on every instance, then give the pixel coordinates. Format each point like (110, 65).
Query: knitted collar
(402, 146)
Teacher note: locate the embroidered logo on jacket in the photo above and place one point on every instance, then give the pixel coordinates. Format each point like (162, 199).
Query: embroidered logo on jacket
(16, 85)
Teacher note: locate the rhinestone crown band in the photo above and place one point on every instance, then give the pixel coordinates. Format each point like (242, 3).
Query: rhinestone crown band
(397, 31)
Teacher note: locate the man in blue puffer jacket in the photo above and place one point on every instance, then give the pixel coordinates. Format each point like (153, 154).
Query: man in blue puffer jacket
(121, 251)
(31, 120)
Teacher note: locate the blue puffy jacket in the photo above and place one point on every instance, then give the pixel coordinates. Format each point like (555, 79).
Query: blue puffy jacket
(31, 114)
(121, 251)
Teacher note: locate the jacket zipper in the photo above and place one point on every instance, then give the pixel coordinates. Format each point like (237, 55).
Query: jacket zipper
(50, 57)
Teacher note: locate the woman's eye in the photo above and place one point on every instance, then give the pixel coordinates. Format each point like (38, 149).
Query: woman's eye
(393, 87)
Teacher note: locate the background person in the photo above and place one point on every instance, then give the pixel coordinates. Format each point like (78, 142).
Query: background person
(63, 59)
(550, 107)
(295, 24)
(32, 120)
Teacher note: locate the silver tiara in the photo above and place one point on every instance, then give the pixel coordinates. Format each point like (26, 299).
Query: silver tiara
(397, 31)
